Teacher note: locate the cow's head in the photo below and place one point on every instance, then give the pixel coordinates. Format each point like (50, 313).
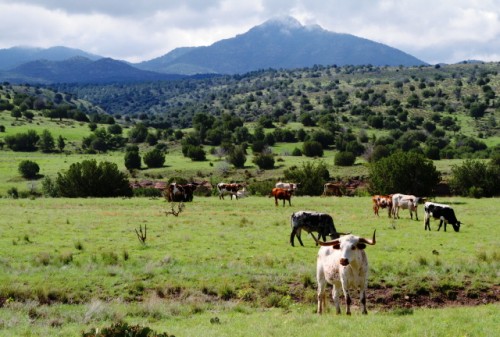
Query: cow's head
(348, 245)
(456, 226)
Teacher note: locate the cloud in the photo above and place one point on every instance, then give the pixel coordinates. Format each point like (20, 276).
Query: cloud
(443, 31)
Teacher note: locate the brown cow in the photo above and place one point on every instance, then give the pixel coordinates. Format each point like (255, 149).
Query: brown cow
(281, 194)
(382, 201)
(335, 189)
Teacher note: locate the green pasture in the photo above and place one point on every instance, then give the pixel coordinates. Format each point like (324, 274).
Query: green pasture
(226, 268)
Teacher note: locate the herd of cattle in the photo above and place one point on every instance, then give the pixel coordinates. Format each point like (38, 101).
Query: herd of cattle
(341, 261)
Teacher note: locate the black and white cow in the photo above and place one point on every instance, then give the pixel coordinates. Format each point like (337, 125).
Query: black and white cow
(444, 213)
(310, 221)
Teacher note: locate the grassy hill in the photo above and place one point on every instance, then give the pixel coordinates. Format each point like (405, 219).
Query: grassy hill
(366, 106)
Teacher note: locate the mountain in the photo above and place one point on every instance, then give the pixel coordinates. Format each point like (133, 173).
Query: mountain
(280, 43)
(81, 70)
(15, 56)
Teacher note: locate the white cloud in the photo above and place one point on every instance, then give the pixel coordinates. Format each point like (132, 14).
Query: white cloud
(443, 31)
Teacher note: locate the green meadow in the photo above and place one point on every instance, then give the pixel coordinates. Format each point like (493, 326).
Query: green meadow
(226, 268)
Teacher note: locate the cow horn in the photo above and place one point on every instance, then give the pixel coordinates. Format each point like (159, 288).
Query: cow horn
(326, 243)
(369, 242)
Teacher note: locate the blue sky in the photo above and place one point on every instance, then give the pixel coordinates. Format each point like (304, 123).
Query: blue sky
(434, 31)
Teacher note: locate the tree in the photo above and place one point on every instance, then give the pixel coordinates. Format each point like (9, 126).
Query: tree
(475, 178)
(311, 177)
(344, 158)
(46, 142)
(60, 143)
(89, 179)
(312, 149)
(404, 172)
(265, 161)
(138, 133)
(237, 157)
(132, 160)
(28, 169)
(23, 141)
(154, 158)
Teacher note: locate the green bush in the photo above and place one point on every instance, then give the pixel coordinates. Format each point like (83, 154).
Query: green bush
(404, 172)
(311, 177)
(23, 141)
(476, 179)
(28, 169)
(238, 157)
(132, 160)
(264, 161)
(88, 179)
(154, 158)
(344, 158)
(312, 149)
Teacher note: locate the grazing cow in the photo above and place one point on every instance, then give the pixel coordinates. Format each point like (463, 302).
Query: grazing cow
(231, 189)
(343, 263)
(289, 186)
(382, 201)
(404, 201)
(335, 189)
(281, 194)
(444, 213)
(309, 221)
(176, 192)
(243, 193)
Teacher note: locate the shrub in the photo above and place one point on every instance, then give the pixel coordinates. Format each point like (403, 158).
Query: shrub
(311, 177)
(312, 149)
(264, 161)
(476, 179)
(88, 179)
(296, 152)
(132, 160)
(344, 158)
(28, 169)
(404, 172)
(196, 153)
(238, 157)
(23, 141)
(154, 158)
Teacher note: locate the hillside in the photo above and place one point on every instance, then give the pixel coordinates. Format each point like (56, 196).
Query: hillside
(280, 44)
(81, 70)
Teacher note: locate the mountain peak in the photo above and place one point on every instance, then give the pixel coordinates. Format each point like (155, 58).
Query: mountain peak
(283, 22)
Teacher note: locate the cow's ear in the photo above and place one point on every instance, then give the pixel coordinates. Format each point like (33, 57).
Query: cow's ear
(361, 246)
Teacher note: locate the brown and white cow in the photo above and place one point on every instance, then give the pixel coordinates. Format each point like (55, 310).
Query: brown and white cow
(382, 201)
(405, 201)
(231, 189)
(281, 194)
(177, 192)
(335, 189)
(343, 263)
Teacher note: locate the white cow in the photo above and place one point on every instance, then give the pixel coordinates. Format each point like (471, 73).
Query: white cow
(288, 186)
(405, 201)
(343, 263)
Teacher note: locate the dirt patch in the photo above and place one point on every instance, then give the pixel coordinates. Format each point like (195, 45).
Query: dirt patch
(389, 299)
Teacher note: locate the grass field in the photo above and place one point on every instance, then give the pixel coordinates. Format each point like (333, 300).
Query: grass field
(71, 264)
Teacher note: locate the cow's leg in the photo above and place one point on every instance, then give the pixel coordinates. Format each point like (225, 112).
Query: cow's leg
(335, 296)
(427, 224)
(275, 201)
(375, 210)
(348, 300)
(292, 237)
(440, 224)
(363, 301)
(416, 214)
(289, 202)
(321, 296)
